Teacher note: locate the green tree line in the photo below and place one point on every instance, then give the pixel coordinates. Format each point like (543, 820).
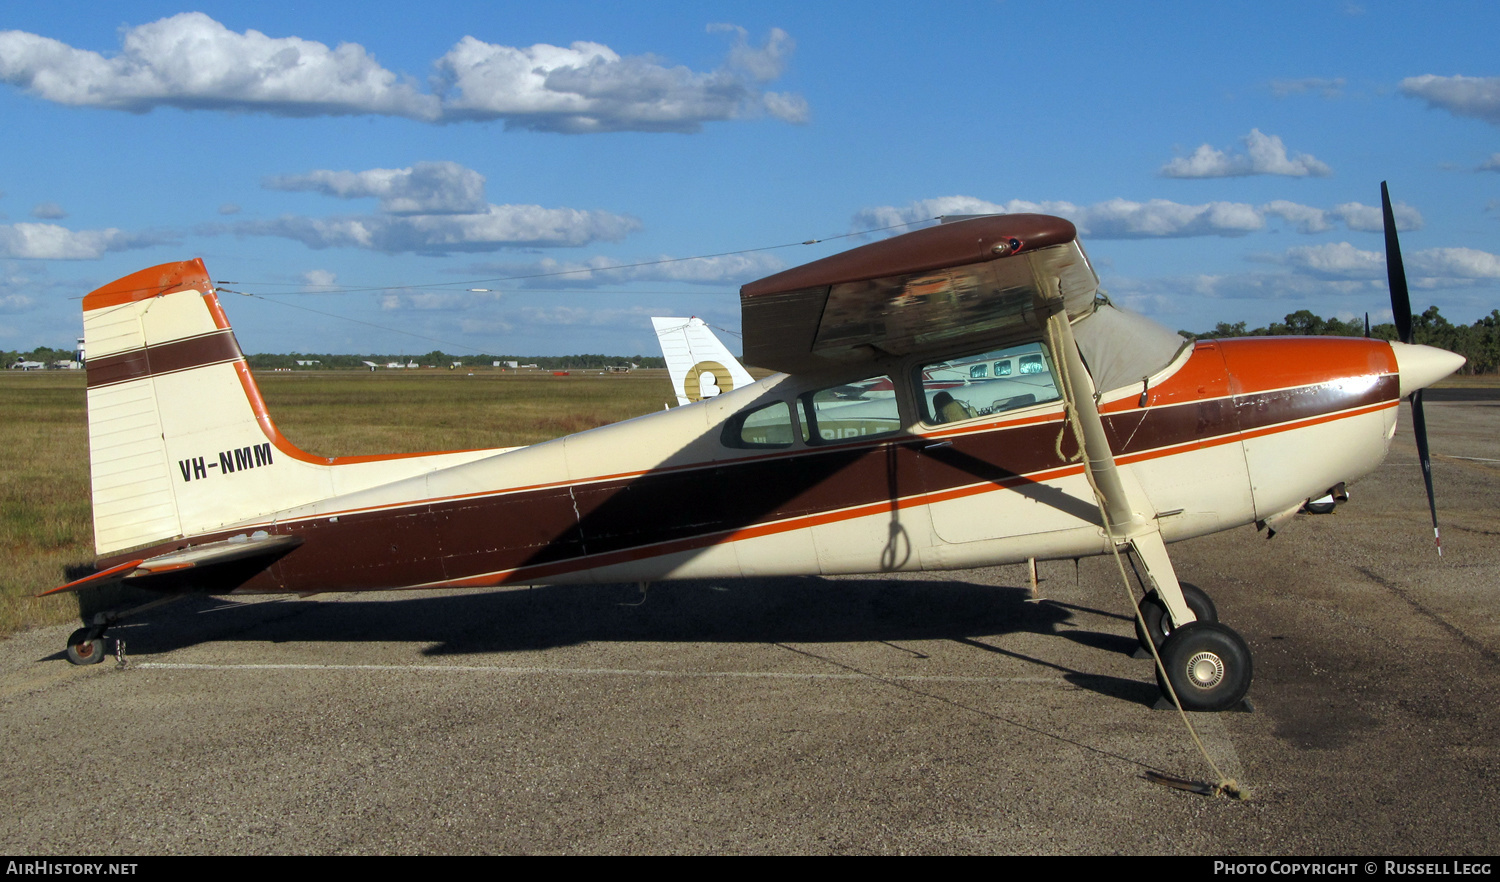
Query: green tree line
(438, 358)
(1479, 342)
(325, 361)
(44, 354)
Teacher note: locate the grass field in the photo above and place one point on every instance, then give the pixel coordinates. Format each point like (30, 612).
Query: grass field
(45, 524)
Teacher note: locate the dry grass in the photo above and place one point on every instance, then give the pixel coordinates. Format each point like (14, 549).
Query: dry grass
(45, 525)
(347, 413)
(44, 493)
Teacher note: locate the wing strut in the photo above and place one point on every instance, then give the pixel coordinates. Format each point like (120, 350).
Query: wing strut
(1127, 521)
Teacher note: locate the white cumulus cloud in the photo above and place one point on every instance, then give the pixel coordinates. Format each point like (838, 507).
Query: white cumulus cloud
(1156, 218)
(319, 280)
(1354, 215)
(1264, 155)
(1335, 260)
(424, 188)
(1112, 219)
(500, 226)
(1429, 268)
(436, 301)
(51, 242)
(1370, 219)
(429, 208)
(588, 87)
(1478, 97)
(727, 269)
(1304, 217)
(192, 62)
(1455, 263)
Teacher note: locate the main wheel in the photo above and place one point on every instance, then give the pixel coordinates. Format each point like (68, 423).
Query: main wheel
(1208, 665)
(83, 650)
(1159, 624)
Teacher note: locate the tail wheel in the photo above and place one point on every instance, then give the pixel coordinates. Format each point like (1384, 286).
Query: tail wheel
(1159, 624)
(85, 650)
(1208, 665)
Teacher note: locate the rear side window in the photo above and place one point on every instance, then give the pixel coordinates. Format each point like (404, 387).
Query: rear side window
(853, 410)
(768, 427)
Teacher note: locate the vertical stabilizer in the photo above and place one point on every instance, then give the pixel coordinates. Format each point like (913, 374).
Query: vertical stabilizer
(179, 442)
(700, 365)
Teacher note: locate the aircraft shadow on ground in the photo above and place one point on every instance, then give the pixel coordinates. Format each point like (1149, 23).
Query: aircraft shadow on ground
(798, 610)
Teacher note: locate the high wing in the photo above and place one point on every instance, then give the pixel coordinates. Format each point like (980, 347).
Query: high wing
(965, 285)
(699, 364)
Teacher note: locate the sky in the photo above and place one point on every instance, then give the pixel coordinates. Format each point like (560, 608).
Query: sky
(540, 179)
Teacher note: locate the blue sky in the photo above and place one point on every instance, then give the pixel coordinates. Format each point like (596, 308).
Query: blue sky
(358, 174)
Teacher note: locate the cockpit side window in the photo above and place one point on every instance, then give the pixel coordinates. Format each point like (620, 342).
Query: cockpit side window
(958, 389)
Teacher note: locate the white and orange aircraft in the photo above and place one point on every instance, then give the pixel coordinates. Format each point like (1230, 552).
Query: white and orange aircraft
(1130, 438)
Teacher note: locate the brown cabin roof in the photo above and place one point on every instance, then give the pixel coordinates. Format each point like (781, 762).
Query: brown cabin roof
(955, 244)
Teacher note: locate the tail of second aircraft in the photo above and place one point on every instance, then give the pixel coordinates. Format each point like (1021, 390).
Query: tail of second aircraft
(700, 366)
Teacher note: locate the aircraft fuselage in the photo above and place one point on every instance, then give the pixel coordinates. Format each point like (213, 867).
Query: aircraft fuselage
(1234, 432)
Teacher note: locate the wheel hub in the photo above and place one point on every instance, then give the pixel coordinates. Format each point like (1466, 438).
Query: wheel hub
(1205, 670)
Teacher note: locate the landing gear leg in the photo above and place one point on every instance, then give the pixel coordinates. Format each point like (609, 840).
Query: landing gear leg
(86, 645)
(1207, 664)
(1158, 625)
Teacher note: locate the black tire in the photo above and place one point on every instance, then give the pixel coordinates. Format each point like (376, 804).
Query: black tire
(1208, 665)
(83, 650)
(1158, 623)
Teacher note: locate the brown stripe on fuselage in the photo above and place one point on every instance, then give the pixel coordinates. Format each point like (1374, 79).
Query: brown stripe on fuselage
(524, 535)
(215, 347)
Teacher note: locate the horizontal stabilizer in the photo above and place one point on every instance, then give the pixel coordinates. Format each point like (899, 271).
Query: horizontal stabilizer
(103, 577)
(236, 548)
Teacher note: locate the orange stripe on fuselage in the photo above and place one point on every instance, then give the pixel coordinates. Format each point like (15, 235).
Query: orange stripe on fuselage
(523, 574)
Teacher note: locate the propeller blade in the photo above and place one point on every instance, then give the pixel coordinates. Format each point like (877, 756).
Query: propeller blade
(1419, 427)
(1395, 271)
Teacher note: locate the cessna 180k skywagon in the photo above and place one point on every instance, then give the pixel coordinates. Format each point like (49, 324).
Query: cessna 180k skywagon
(1123, 436)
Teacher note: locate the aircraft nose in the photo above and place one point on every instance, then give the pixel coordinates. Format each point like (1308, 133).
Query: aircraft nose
(1421, 366)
